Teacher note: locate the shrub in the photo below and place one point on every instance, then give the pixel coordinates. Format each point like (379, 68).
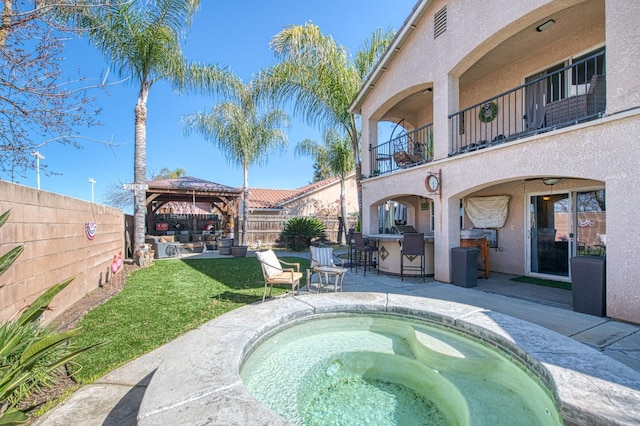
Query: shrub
(299, 231)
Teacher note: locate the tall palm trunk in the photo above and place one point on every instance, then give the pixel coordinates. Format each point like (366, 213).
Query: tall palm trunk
(245, 203)
(140, 167)
(355, 145)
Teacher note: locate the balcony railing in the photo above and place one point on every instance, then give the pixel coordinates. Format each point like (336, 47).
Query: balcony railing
(406, 150)
(564, 97)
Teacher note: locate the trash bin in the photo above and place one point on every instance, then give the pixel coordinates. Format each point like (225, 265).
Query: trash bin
(588, 284)
(224, 245)
(464, 265)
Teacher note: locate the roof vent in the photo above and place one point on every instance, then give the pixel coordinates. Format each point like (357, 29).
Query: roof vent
(440, 22)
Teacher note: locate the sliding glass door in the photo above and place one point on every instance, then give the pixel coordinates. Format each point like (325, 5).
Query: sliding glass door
(563, 225)
(550, 242)
(591, 223)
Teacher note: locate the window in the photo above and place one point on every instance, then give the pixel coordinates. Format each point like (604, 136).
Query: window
(587, 66)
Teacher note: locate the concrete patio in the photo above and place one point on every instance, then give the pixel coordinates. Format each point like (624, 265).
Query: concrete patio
(116, 398)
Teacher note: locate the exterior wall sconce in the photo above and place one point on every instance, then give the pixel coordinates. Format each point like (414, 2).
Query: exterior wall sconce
(545, 25)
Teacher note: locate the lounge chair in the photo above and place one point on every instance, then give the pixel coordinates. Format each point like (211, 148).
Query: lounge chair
(274, 273)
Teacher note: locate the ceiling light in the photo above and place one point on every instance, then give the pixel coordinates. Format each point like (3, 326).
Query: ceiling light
(550, 181)
(540, 28)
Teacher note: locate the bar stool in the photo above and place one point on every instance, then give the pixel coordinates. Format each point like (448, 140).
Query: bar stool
(412, 247)
(352, 247)
(364, 252)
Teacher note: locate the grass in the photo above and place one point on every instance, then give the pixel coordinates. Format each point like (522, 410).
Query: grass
(164, 301)
(547, 283)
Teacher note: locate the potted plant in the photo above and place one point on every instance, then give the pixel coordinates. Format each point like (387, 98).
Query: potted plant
(239, 251)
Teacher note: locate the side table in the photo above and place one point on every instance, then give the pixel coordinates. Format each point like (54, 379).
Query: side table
(329, 273)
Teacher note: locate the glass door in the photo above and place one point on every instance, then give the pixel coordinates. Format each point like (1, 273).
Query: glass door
(591, 223)
(551, 235)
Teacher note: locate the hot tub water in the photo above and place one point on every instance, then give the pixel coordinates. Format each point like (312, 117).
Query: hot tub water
(387, 370)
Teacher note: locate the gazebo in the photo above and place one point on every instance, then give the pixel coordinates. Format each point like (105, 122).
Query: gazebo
(191, 204)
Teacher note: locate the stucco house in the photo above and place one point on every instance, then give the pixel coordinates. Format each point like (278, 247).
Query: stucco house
(318, 198)
(520, 118)
(270, 208)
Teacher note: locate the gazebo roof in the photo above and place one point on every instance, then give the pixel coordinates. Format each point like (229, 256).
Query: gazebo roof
(192, 190)
(189, 184)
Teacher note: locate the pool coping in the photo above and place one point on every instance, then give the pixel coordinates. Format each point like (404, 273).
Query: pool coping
(200, 382)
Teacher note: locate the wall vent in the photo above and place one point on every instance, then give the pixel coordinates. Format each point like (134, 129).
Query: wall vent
(440, 22)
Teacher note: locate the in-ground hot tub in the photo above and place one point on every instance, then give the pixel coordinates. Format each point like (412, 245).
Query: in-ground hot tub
(199, 382)
(390, 370)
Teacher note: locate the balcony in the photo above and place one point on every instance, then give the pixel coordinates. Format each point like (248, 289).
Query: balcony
(563, 97)
(406, 150)
(559, 97)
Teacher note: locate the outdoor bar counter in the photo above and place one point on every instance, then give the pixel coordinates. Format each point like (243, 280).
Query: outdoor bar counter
(389, 254)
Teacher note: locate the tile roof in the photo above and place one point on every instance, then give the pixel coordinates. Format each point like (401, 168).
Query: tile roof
(264, 198)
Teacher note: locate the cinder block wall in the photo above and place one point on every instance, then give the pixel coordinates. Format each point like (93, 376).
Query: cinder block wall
(56, 247)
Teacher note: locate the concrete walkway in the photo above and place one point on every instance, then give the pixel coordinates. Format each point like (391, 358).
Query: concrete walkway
(115, 398)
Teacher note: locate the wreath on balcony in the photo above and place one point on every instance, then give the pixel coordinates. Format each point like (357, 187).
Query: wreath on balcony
(488, 112)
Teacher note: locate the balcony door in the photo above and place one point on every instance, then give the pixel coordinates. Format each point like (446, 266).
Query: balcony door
(550, 235)
(547, 86)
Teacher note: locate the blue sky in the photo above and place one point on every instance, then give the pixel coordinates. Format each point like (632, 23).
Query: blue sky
(231, 34)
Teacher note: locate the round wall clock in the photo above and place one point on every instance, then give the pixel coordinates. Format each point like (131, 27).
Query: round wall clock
(432, 182)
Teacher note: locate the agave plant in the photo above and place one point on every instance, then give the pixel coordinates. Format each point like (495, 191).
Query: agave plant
(299, 231)
(28, 349)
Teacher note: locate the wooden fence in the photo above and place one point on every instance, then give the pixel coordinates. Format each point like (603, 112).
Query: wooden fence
(268, 228)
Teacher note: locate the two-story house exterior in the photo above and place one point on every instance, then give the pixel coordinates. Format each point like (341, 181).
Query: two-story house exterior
(518, 117)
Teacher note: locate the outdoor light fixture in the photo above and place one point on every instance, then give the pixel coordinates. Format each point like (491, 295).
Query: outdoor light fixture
(540, 28)
(92, 182)
(38, 158)
(550, 181)
(427, 90)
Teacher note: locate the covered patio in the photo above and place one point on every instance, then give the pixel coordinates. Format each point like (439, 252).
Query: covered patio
(192, 211)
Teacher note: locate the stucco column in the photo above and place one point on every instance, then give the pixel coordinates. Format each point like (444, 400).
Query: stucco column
(623, 242)
(369, 138)
(447, 235)
(365, 220)
(446, 95)
(623, 54)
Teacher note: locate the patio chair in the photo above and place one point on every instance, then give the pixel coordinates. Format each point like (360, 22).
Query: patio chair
(274, 273)
(321, 259)
(412, 247)
(402, 159)
(364, 252)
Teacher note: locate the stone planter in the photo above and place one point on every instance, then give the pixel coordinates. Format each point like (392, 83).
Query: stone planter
(239, 251)
(224, 245)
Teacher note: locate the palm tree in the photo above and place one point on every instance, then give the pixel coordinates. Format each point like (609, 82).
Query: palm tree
(321, 79)
(142, 39)
(166, 173)
(336, 153)
(244, 136)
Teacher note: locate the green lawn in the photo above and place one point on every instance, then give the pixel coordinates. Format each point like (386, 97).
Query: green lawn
(164, 301)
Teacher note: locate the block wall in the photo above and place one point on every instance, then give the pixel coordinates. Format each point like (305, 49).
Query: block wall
(51, 227)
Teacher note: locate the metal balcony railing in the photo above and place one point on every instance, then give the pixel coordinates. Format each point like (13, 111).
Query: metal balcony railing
(564, 97)
(406, 150)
